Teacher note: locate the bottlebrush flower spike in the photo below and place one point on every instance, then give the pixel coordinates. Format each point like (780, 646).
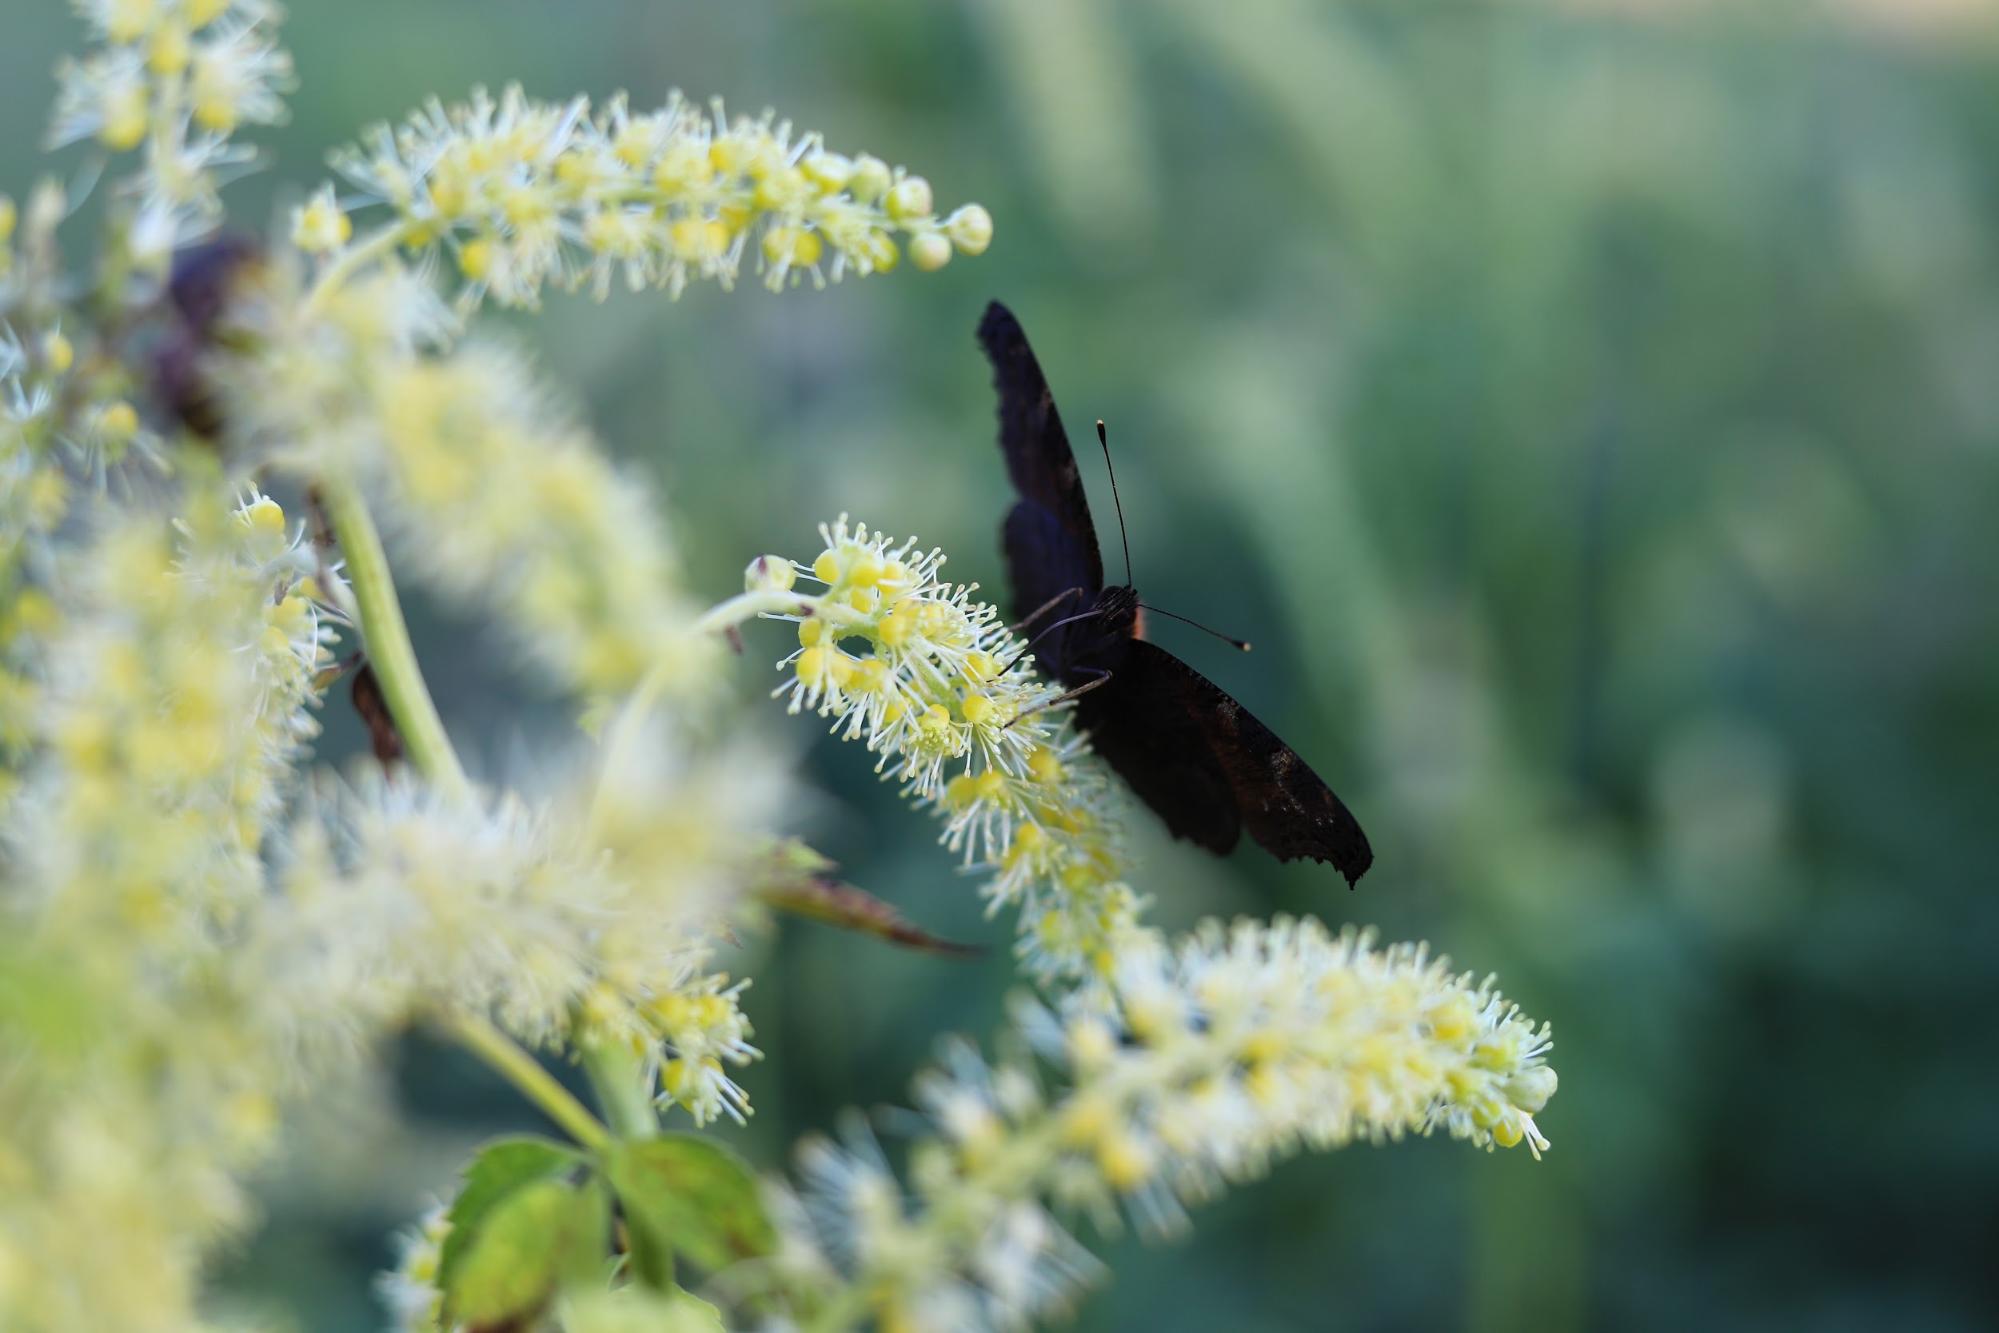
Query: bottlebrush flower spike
(523, 193)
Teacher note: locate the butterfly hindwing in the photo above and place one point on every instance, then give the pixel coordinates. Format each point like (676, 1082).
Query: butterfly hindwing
(1211, 769)
(1042, 466)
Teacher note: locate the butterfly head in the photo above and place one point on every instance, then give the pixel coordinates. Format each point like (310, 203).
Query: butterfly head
(1118, 614)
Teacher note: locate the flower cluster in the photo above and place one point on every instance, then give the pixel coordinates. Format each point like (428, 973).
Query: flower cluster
(173, 78)
(173, 697)
(1200, 1065)
(486, 487)
(176, 699)
(937, 685)
(524, 193)
(560, 918)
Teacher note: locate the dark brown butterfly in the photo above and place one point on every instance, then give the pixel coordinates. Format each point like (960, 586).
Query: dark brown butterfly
(1190, 751)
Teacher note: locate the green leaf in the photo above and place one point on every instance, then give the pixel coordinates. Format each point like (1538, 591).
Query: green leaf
(586, 1259)
(500, 1168)
(536, 1238)
(638, 1310)
(683, 1194)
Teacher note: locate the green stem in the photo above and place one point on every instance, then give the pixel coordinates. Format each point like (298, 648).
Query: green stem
(388, 639)
(622, 1090)
(352, 261)
(505, 1057)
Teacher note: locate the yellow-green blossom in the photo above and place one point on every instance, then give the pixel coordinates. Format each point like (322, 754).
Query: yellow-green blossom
(173, 79)
(936, 684)
(572, 922)
(487, 488)
(173, 696)
(524, 193)
(1196, 1066)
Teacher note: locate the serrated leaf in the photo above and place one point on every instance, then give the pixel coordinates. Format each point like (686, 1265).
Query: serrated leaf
(836, 904)
(537, 1237)
(687, 1195)
(500, 1168)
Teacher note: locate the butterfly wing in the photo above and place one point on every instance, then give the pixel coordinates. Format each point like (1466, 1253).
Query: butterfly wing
(1211, 769)
(1049, 540)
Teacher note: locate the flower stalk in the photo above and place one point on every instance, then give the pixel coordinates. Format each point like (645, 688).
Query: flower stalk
(505, 1057)
(387, 637)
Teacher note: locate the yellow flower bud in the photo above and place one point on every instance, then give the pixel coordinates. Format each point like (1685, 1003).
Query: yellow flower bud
(1124, 1161)
(126, 116)
(869, 179)
(929, 251)
(770, 573)
(970, 229)
(170, 50)
(1452, 1020)
(828, 171)
(681, 168)
(896, 627)
(320, 227)
(870, 675)
(727, 155)
(1530, 1089)
(826, 568)
(1086, 1120)
(908, 198)
(815, 667)
(57, 353)
(265, 516)
(961, 792)
(880, 250)
(475, 258)
(128, 20)
(117, 422)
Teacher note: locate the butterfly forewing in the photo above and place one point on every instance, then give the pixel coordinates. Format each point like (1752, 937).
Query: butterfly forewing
(1050, 542)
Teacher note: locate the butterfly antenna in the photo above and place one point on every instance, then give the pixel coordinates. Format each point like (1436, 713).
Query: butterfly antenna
(1104, 440)
(1240, 644)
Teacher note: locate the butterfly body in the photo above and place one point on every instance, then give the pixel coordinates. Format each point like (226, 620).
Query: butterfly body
(1186, 747)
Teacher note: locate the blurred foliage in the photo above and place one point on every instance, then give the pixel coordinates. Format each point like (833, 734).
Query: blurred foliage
(1589, 410)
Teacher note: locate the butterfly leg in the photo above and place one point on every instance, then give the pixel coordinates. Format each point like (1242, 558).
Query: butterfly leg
(1045, 608)
(1035, 615)
(1102, 678)
(1045, 632)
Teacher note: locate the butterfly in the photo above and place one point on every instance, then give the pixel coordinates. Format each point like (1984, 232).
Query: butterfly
(1192, 753)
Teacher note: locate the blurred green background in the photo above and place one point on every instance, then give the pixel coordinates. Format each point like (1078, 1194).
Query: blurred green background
(1589, 410)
